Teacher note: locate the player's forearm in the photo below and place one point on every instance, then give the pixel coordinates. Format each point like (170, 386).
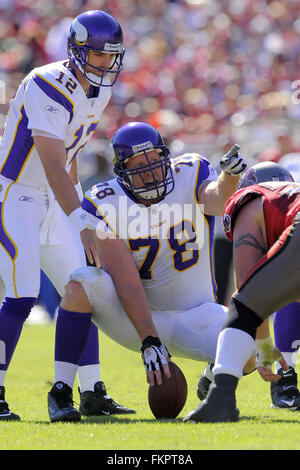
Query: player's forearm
(136, 306)
(214, 194)
(63, 189)
(53, 157)
(73, 172)
(226, 186)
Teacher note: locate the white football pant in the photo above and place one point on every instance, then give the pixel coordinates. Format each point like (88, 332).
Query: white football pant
(192, 333)
(35, 234)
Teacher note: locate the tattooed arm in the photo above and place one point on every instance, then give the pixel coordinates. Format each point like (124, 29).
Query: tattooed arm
(249, 245)
(249, 239)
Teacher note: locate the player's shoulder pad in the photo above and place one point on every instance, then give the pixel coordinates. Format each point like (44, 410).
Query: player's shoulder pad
(57, 82)
(188, 159)
(193, 169)
(99, 194)
(55, 73)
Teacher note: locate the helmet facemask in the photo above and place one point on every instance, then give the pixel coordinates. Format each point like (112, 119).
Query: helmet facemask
(108, 76)
(151, 189)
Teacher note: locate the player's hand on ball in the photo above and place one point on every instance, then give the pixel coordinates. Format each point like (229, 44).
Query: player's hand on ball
(232, 162)
(266, 354)
(155, 356)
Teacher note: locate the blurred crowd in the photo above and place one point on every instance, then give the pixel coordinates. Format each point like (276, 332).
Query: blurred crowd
(207, 73)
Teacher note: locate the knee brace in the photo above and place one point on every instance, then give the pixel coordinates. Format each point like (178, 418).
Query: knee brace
(242, 318)
(20, 307)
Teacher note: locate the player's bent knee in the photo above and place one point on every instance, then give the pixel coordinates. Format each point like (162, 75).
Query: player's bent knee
(241, 317)
(75, 298)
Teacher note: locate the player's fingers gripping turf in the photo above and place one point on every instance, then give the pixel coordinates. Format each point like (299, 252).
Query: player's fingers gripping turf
(267, 374)
(266, 354)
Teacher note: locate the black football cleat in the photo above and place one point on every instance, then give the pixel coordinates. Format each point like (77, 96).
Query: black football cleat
(60, 404)
(284, 392)
(5, 413)
(220, 404)
(204, 383)
(98, 403)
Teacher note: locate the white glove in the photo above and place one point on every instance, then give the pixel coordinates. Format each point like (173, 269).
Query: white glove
(154, 353)
(232, 162)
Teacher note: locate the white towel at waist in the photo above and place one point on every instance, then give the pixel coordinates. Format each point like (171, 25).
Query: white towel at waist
(51, 227)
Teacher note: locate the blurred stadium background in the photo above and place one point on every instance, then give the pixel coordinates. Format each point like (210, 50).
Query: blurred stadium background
(207, 73)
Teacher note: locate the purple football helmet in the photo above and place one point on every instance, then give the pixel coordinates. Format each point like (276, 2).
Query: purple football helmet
(98, 31)
(137, 138)
(263, 172)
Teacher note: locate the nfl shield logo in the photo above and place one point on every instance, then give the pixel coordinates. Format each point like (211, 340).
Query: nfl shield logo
(227, 222)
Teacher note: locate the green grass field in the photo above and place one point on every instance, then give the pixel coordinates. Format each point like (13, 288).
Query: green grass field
(29, 380)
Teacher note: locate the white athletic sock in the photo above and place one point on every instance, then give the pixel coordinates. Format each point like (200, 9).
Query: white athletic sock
(2, 377)
(290, 357)
(65, 372)
(88, 376)
(234, 348)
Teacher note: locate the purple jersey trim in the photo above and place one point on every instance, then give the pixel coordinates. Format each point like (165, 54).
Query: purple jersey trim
(203, 173)
(55, 94)
(19, 150)
(5, 240)
(91, 208)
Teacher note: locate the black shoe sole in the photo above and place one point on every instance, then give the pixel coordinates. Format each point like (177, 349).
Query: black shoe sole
(103, 413)
(206, 418)
(290, 408)
(11, 417)
(72, 418)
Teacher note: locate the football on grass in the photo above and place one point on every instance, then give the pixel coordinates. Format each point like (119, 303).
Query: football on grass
(167, 400)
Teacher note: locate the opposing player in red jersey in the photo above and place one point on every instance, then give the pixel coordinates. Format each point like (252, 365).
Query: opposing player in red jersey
(262, 219)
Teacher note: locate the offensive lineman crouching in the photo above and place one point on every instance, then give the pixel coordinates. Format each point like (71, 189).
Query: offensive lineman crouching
(156, 286)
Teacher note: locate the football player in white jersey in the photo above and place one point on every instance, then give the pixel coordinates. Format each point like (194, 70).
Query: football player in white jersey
(154, 225)
(51, 118)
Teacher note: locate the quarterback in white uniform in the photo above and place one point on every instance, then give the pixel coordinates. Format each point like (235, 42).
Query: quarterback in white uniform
(154, 226)
(51, 118)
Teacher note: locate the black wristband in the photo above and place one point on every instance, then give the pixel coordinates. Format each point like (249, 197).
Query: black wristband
(150, 341)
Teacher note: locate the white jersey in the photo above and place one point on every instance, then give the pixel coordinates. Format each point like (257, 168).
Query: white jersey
(50, 99)
(170, 241)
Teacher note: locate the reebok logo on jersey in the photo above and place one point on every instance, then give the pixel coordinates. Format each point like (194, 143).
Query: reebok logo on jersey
(26, 198)
(52, 109)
